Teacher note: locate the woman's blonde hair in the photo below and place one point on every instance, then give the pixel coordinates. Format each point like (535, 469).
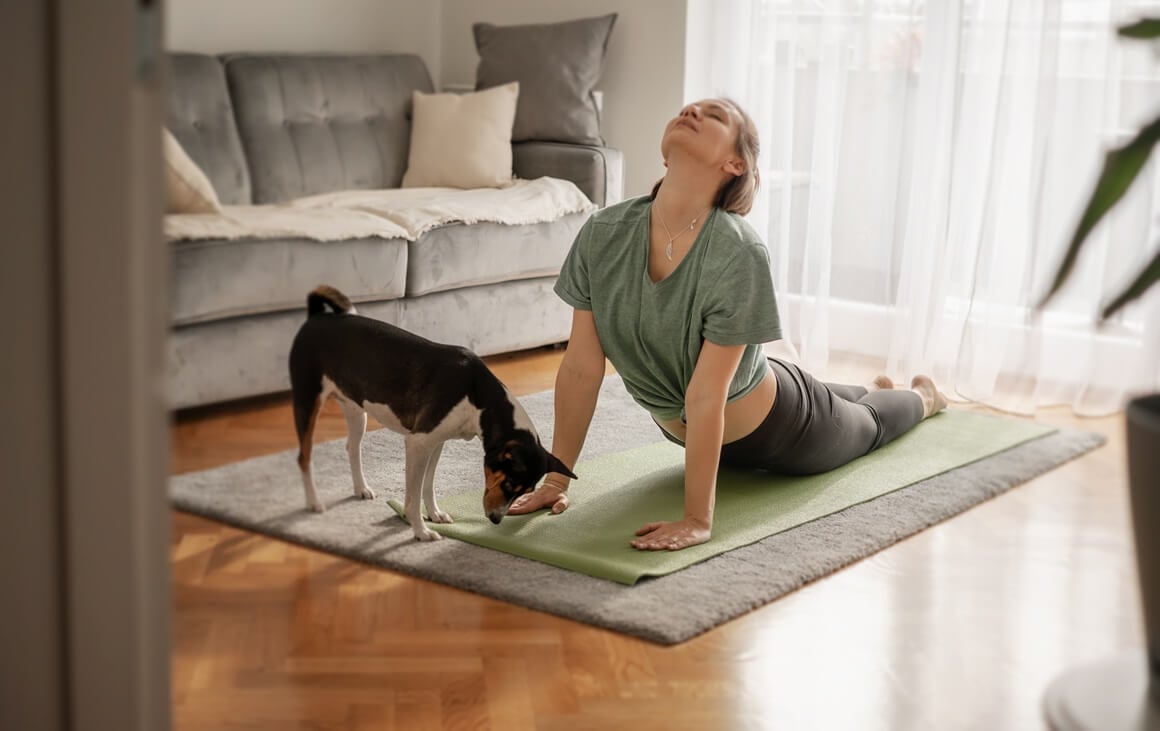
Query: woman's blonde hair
(737, 194)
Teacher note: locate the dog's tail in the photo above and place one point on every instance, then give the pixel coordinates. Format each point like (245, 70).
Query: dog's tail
(323, 296)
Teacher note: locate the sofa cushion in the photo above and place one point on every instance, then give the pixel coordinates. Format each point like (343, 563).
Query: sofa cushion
(457, 256)
(187, 190)
(557, 65)
(246, 356)
(201, 117)
(490, 318)
(319, 123)
(462, 140)
(215, 279)
(242, 356)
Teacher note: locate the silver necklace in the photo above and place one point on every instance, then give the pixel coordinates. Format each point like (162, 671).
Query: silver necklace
(683, 231)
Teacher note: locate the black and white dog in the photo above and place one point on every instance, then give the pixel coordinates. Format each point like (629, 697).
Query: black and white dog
(427, 391)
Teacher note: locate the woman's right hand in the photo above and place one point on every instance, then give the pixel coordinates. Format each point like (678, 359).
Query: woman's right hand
(577, 388)
(546, 495)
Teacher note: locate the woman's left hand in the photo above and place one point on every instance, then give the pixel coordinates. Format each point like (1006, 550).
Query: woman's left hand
(671, 535)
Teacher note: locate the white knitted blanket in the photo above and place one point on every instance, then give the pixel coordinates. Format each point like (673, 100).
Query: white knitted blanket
(405, 213)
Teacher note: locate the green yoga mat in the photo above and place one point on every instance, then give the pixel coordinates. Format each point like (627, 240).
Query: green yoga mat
(618, 493)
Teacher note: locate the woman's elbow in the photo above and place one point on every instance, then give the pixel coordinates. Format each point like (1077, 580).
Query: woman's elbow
(704, 403)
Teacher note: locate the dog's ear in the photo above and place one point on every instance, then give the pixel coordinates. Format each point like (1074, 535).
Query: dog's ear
(513, 456)
(555, 465)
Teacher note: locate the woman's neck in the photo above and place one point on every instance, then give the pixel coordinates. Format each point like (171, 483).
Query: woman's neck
(684, 195)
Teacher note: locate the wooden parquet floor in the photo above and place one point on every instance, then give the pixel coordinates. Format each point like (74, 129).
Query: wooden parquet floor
(960, 627)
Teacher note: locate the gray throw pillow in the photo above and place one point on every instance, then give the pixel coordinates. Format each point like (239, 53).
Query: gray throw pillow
(557, 66)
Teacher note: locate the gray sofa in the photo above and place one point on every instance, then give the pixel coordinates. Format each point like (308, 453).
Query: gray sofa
(270, 128)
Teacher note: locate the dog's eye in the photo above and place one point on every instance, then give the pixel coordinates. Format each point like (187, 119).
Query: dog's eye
(507, 485)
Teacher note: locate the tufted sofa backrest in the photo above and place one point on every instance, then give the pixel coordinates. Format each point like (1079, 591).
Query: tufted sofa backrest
(200, 115)
(314, 124)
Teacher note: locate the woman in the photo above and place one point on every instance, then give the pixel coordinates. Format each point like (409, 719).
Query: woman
(674, 288)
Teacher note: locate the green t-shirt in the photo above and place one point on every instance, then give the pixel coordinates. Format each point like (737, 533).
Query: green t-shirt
(652, 332)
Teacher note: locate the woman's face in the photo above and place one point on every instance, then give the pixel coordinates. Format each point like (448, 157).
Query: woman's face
(706, 130)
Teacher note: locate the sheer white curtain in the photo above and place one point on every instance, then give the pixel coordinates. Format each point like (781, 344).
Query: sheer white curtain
(923, 166)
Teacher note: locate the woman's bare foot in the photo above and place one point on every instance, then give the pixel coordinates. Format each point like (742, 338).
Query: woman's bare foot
(880, 383)
(932, 401)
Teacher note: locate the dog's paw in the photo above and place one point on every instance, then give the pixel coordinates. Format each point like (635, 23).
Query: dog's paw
(365, 493)
(316, 506)
(440, 517)
(427, 535)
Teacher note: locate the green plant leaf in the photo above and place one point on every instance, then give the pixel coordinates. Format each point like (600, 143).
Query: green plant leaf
(1142, 29)
(1121, 166)
(1144, 280)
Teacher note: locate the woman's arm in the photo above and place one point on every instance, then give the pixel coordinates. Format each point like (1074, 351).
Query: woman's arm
(705, 413)
(577, 388)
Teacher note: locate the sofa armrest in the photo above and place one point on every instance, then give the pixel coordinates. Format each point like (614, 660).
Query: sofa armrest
(597, 171)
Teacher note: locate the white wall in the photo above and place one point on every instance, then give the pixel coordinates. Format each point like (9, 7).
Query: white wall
(643, 80)
(372, 26)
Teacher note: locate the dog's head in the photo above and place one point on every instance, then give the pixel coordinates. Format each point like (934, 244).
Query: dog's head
(514, 469)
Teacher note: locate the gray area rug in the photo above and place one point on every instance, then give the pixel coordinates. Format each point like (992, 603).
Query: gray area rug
(264, 494)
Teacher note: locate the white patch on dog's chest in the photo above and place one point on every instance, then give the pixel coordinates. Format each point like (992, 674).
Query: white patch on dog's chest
(519, 416)
(461, 422)
(383, 414)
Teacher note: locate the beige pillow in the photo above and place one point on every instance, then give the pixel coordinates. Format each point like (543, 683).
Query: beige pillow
(187, 188)
(462, 140)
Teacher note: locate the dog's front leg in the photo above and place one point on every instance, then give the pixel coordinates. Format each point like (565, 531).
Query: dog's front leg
(418, 453)
(356, 426)
(433, 512)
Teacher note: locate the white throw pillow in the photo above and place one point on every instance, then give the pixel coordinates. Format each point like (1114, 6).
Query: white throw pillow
(462, 140)
(187, 188)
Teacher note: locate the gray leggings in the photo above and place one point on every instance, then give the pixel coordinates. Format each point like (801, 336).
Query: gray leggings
(814, 427)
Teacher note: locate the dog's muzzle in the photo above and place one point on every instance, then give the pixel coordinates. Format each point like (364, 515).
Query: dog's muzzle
(495, 502)
(495, 516)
